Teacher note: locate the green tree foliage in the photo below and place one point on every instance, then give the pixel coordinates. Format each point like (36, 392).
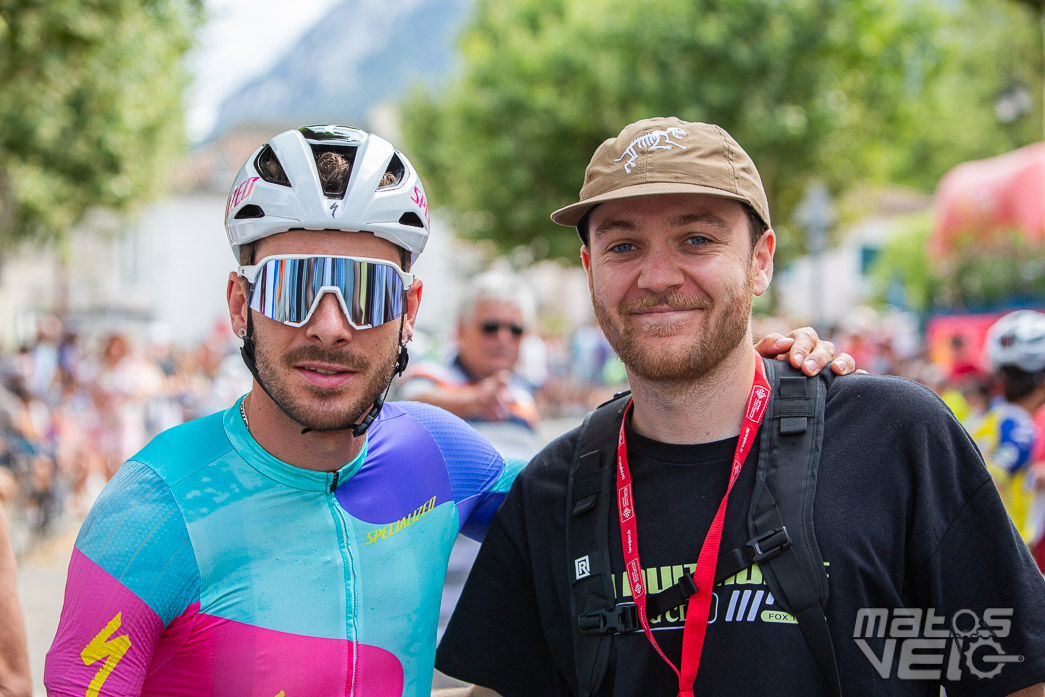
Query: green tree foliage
(827, 89)
(1038, 5)
(902, 273)
(989, 49)
(90, 107)
(809, 87)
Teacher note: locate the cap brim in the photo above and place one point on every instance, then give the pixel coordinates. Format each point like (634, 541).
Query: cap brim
(572, 214)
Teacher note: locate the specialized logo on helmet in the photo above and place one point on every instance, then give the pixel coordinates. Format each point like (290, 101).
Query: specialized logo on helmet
(422, 203)
(239, 195)
(656, 140)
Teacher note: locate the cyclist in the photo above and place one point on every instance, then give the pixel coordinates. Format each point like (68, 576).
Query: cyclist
(296, 543)
(1006, 434)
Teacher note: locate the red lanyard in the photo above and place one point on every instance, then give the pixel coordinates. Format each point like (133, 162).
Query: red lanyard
(700, 602)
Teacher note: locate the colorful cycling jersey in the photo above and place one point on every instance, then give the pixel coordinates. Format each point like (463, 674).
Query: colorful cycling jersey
(209, 567)
(1006, 436)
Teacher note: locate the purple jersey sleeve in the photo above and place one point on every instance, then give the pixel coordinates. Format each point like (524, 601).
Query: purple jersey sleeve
(479, 477)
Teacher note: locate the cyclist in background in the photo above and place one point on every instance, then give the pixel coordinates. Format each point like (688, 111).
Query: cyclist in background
(1006, 434)
(294, 544)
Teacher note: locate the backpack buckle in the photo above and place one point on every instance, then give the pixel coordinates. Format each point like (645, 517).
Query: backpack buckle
(621, 619)
(769, 544)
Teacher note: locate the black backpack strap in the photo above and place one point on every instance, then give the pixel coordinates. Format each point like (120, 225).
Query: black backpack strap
(785, 487)
(625, 618)
(589, 491)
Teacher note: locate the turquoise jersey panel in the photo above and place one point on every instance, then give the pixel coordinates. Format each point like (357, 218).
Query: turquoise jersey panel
(258, 523)
(136, 532)
(276, 579)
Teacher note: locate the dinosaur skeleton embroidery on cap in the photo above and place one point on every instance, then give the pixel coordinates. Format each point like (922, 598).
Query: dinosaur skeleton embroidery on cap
(651, 141)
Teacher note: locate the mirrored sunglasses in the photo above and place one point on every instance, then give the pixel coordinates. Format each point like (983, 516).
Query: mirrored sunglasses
(491, 327)
(289, 287)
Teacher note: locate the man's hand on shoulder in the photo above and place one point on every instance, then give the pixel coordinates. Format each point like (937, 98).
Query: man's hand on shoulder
(804, 349)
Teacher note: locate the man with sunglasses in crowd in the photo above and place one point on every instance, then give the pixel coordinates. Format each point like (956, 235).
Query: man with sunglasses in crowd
(295, 544)
(479, 382)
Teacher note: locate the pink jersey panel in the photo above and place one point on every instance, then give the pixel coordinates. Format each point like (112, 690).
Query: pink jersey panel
(201, 654)
(105, 636)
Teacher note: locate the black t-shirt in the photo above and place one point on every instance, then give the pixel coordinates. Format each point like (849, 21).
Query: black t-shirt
(905, 516)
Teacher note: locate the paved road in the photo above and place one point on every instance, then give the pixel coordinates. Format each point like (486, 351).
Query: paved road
(41, 581)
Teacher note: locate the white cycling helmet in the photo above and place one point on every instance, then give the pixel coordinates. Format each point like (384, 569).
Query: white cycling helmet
(1018, 339)
(279, 189)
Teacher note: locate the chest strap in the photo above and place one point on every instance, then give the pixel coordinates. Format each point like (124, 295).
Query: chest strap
(625, 618)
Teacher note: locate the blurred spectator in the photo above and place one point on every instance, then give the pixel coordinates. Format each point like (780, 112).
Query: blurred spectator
(480, 383)
(42, 368)
(121, 385)
(963, 362)
(589, 355)
(1007, 434)
(90, 409)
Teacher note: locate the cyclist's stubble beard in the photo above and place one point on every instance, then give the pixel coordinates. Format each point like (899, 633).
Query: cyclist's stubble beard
(725, 325)
(328, 409)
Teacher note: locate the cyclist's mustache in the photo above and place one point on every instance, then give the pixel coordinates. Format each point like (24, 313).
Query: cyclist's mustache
(349, 360)
(676, 301)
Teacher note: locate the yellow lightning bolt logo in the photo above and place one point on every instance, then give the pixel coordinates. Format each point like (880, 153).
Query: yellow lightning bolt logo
(101, 648)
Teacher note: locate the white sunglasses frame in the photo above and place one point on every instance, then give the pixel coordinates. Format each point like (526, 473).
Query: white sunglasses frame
(250, 273)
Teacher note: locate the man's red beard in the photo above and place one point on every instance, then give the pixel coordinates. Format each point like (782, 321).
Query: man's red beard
(717, 337)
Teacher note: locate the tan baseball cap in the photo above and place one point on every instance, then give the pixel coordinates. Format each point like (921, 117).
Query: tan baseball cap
(665, 155)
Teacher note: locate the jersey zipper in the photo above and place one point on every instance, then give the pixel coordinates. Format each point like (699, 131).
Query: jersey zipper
(351, 623)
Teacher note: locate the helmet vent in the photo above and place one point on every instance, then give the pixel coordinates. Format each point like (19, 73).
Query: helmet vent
(250, 211)
(334, 165)
(411, 219)
(269, 167)
(393, 176)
